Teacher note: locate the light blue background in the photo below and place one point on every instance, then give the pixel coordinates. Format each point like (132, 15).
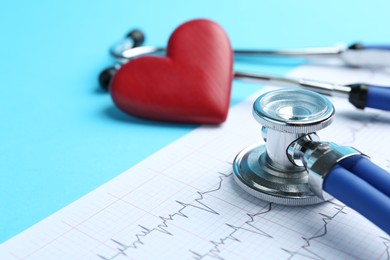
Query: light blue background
(61, 137)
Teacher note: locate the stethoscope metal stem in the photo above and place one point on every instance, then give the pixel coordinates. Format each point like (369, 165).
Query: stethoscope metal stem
(123, 53)
(324, 88)
(327, 52)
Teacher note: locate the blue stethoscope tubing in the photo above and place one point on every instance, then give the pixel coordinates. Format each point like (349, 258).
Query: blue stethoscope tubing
(360, 95)
(378, 97)
(363, 186)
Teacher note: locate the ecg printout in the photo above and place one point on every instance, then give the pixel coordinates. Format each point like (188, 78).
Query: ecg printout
(182, 202)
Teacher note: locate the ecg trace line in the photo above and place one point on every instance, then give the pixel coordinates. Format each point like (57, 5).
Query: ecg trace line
(210, 194)
(215, 251)
(73, 227)
(321, 232)
(151, 214)
(326, 219)
(386, 242)
(189, 185)
(165, 221)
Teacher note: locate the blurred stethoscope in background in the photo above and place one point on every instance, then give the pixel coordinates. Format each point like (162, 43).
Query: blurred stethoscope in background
(356, 55)
(294, 167)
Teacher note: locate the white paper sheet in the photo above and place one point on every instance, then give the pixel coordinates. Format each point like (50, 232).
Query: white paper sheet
(183, 203)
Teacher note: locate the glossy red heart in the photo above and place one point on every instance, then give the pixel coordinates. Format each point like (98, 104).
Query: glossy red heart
(192, 84)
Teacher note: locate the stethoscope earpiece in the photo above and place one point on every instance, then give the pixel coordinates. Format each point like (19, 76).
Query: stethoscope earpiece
(137, 36)
(105, 77)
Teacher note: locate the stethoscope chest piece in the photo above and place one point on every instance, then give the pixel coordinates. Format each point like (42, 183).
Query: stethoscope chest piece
(268, 171)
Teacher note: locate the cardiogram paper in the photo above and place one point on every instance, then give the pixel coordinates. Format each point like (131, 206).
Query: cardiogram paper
(182, 202)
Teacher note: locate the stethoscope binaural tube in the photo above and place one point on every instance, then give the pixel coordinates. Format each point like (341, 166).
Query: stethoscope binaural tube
(360, 95)
(355, 55)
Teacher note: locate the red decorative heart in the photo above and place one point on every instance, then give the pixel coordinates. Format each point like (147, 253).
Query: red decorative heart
(192, 84)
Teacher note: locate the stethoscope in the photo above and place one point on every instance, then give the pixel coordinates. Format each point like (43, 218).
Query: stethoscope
(294, 167)
(360, 95)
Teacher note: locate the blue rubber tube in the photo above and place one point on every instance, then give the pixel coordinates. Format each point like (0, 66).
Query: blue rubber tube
(362, 167)
(382, 47)
(378, 97)
(359, 195)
